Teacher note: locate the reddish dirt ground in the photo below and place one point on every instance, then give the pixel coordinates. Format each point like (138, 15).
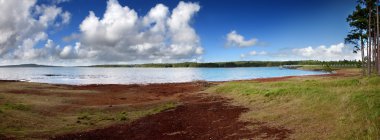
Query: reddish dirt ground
(199, 117)
(113, 95)
(135, 94)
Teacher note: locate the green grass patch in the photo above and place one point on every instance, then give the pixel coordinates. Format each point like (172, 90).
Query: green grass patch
(15, 106)
(21, 114)
(22, 124)
(96, 116)
(315, 107)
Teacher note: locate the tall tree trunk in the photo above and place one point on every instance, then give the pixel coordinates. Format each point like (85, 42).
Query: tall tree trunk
(362, 50)
(377, 38)
(369, 43)
(374, 44)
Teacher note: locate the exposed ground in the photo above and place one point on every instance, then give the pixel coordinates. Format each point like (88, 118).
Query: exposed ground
(199, 117)
(57, 109)
(337, 106)
(156, 111)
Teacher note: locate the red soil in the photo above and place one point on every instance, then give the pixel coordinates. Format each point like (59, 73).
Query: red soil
(199, 117)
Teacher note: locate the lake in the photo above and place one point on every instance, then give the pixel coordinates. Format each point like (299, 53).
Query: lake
(87, 75)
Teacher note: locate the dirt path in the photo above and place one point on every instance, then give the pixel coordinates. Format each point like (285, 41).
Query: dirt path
(199, 117)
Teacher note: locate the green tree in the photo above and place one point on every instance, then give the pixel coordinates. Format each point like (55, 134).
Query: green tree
(358, 21)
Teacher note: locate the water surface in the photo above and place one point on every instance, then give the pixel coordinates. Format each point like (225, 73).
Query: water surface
(86, 75)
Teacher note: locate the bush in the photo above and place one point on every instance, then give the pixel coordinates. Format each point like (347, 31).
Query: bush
(327, 68)
(123, 116)
(84, 117)
(14, 106)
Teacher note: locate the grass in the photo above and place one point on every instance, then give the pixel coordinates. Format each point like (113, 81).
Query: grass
(314, 107)
(96, 116)
(15, 106)
(326, 68)
(21, 124)
(22, 112)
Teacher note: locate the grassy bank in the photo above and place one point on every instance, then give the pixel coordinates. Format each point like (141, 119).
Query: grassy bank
(313, 107)
(344, 106)
(38, 111)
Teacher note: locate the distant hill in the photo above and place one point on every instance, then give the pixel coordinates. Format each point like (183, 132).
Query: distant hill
(238, 64)
(28, 65)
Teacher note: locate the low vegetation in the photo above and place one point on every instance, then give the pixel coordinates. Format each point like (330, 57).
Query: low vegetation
(314, 107)
(344, 63)
(27, 113)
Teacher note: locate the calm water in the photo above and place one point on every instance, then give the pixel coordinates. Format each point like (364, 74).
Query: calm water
(77, 75)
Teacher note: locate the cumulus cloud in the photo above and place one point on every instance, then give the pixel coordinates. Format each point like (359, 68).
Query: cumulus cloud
(71, 37)
(253, 53)
(235, 39)
(23, 25)
(119, 35)
(59, 1)
(66, 16)
(122, 35)
(333, 52)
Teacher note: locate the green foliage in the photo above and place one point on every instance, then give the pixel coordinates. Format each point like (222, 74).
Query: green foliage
(238, 64)
(165, 106)
(15, 106)
(348, 82)
(327, 68)
(358, 21)
(84, 117)
(374, 80)
(95, 117)
(123, 116)
(354, 101)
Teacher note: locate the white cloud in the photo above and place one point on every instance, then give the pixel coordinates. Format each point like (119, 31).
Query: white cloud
(23, 25)
(71, 37)
(235, 39)
(334, 52)
(253, 53)
(59, 1)
(66, 16)
(122, 36)
(243, 55)
(48, 14)
(66, 51)
(263, 53)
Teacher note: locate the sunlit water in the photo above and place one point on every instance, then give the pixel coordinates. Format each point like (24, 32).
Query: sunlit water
(85, 75)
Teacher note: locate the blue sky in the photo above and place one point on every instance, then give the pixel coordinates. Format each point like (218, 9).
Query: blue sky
(282, 30)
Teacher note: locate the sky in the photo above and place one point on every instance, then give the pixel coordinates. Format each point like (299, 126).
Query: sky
(82, 32)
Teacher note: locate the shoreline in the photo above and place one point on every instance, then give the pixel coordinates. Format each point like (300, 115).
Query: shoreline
(191, 82)
(99, 110)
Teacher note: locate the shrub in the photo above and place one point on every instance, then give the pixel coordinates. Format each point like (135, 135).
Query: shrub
(327, 68)
(84, 117)
(14, 106)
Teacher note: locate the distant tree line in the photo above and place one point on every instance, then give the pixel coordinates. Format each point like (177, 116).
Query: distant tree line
(343, 63)
(364, 34)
